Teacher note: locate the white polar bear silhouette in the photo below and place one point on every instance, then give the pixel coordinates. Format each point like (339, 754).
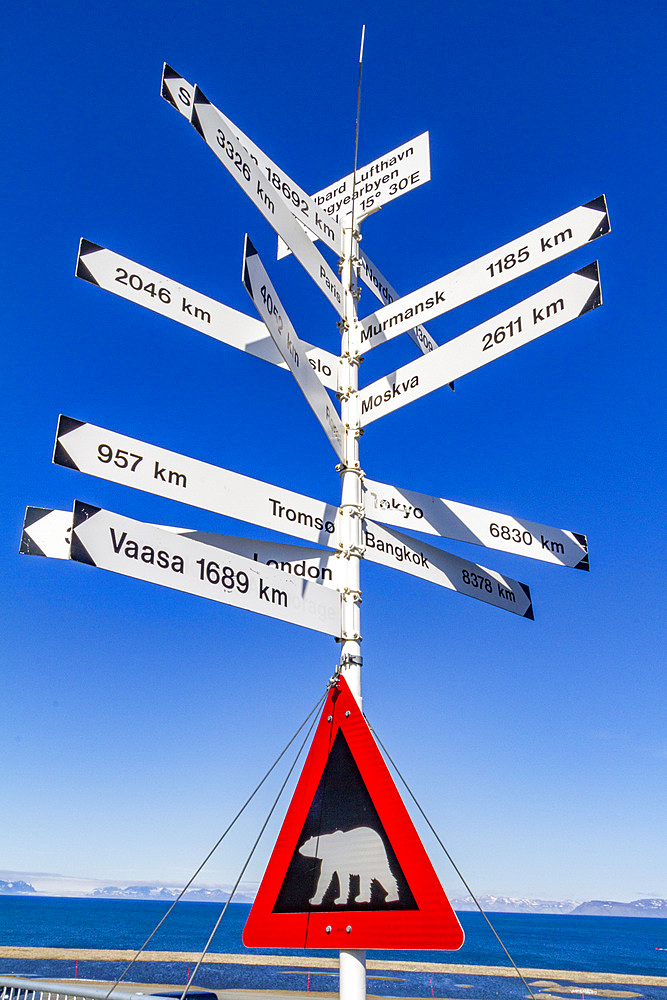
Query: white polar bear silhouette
(351, 852)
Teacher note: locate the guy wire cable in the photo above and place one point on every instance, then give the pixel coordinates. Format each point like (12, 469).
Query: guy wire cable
(252, 851)
(453, 863)
(216, 845)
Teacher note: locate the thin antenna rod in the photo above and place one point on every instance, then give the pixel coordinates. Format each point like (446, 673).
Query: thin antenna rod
(356, 137)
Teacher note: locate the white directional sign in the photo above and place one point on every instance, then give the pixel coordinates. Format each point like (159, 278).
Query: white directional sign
(46, 532)
(413, 511)
(181, 94)
(269, 199)
(554, 306)
(388, 177)
(145, 552)
(391, 548)
(379, 182)
(121, 459)
(522, 255)
(270, 308)
(415, 169)
(154, 291)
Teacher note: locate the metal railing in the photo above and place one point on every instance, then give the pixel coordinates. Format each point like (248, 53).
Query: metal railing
(23, 988)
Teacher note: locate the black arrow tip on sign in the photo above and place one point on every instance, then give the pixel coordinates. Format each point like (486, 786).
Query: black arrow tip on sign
(248, 251)
(168, 74)
(78, 551)
(82, 271)
(35, 514)
(60, 454)
(199, 98)
(28, 546)
(528, 613)
(600, 205)
(67, 424)
(248, 248)
(592, 271)
(583, 541)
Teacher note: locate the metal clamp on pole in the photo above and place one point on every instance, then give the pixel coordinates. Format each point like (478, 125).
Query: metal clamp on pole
(347, 552)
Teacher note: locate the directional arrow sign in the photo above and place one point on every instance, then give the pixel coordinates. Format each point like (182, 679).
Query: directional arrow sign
(122, 459)
(145, 552)
(415, 169)
(522, 255)
(268, 305)
(379, 182)
(46, 532)
(449, 519)
(553, 307)
(391, 548)
(125, 460)
(220, 138)
(147, 288)
(388, 177)
(181, 94)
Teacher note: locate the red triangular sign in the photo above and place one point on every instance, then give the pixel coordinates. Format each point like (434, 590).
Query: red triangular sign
(348, 869)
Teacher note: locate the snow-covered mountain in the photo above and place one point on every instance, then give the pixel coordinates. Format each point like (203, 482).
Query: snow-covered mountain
(16, 888)
(516, 904)
(637, 908)
(21, 883)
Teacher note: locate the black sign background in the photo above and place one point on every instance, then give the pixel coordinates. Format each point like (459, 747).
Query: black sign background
(341, 802)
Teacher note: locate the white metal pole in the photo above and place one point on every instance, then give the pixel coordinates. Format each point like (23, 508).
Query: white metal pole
(352, 963)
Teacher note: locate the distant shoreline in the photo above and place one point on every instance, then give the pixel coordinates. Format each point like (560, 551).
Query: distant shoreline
(655, 908)
(319, 962)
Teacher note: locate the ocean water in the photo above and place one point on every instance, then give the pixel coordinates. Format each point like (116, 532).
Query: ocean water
(596, 944)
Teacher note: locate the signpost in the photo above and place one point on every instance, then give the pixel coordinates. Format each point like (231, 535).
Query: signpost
(48, 532)
(391, 548)
(346, 820)
(552, 307)
(220, 138)
(436, 516)
(542, 245)
(162, 295)
(146, 552)
(268, 305)
(386, 178)
(379, 182)
(122, 459)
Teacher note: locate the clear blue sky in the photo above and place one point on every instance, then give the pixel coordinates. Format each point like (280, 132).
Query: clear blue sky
(136, 718)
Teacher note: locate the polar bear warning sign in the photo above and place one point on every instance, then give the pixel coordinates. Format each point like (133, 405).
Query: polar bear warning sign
(348, 869)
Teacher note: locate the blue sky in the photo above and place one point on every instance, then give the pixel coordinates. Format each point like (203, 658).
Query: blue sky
(136, 718)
